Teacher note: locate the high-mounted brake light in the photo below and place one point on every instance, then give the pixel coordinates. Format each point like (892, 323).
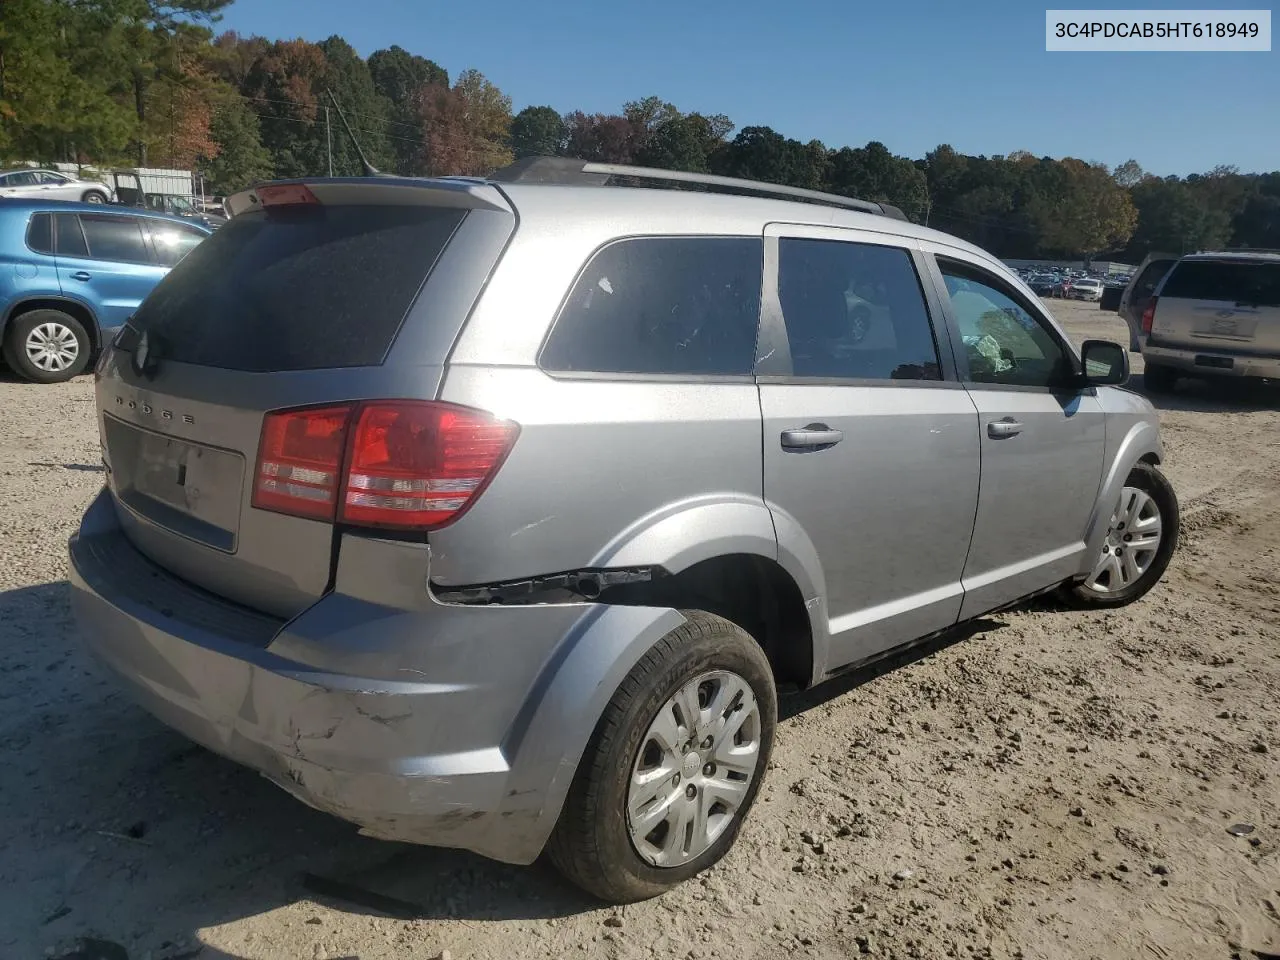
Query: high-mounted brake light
(1149, 315)
(283, 194)
(399, 464)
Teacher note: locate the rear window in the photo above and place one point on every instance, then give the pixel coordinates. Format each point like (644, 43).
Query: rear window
(297, 287)
(676, 306)
(1256, 284)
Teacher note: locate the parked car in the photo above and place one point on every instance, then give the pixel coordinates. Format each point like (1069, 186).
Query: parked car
(51, 185)
(444, 503)
(1214, 315)
(71, 274)
(1043, 285)
(1136, 296)
(1086, 288)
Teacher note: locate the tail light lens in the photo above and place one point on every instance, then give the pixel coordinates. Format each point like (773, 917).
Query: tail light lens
(300, 461)
(1149, 315)
(402, 464)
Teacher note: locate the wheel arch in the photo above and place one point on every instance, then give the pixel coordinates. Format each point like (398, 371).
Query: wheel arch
(725, 530)
(1141, 444)
(69, 305)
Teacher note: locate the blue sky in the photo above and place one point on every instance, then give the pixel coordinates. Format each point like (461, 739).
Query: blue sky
(975, 75)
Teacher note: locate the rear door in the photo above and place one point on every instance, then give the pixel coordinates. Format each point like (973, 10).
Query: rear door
(306, 304)
(22, 183)
(870, 442)
(1226, 305)
(1042, 436)
(104, 259)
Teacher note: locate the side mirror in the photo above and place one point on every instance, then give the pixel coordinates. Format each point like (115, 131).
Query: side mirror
(1105, 363)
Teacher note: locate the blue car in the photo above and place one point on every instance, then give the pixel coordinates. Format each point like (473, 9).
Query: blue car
(72, 273)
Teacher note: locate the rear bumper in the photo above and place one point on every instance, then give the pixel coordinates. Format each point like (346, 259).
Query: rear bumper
(1211, 362)
(461, 749)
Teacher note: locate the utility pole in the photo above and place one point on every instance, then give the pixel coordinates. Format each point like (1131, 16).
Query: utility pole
(328, 138)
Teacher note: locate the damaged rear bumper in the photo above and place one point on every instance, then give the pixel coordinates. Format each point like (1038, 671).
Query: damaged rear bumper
(445, 725)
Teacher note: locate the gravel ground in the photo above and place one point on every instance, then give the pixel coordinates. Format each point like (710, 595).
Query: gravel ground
(1051, 785)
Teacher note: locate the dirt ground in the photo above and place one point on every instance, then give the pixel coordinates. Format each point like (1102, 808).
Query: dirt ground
(1051, 785)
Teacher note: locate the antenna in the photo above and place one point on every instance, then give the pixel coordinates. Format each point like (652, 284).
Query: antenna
(369, 169)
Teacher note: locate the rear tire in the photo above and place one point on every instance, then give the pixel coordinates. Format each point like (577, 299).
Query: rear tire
(1159, 379)
(1123, 550)
(47, 346)
(597, 842)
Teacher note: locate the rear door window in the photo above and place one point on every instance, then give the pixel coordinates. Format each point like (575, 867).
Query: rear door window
(855, 311)
(114, 238)
(298, 287)
(672, 306)
(1252, 284)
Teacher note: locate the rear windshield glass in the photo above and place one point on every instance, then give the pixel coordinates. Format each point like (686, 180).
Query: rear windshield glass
(1257, 284)
(297, 287)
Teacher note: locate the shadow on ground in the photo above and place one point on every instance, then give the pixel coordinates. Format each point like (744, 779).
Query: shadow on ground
(1213, 396)
(121, 831)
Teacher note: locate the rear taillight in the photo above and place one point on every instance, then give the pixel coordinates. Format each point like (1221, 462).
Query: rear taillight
(1149, 315)
(300, 461)
(402, 464)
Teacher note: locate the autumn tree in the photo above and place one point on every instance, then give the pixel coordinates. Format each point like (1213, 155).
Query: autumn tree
(282, 85)
(466, 127)
(599, 137)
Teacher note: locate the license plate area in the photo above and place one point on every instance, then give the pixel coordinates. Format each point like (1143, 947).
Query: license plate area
(1227, 328)
(1219, 363)
(188, 488)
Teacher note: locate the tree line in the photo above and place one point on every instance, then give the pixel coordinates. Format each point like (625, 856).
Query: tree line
(150, 82)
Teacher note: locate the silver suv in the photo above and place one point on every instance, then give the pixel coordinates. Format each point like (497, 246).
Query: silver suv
(493, 514)
(1214, 315)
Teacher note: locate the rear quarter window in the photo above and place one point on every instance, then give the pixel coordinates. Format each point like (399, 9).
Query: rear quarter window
(1256, 284)
(40, 233)
(670, 306)
(298, 287)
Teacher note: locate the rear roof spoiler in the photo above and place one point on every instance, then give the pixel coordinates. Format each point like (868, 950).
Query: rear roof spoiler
(383, 189)
(568, 171)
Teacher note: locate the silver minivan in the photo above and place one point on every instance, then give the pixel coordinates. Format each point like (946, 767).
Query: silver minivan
(494, 513)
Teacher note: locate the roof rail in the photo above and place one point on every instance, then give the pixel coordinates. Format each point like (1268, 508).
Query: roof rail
(566, 170)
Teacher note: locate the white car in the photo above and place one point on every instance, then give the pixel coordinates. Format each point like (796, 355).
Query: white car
(1086, 288)
(51, 185)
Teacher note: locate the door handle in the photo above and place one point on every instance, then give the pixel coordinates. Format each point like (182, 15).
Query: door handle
(811, 437)
(999, 429)
(80, 275)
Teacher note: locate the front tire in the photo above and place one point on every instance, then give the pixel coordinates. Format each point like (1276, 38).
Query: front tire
(93, 196)
(1141, 537)
(46, 346)
(673, 767)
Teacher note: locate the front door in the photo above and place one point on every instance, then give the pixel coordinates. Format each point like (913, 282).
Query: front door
(105, 261)
(1042, 439)
(870, 441)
